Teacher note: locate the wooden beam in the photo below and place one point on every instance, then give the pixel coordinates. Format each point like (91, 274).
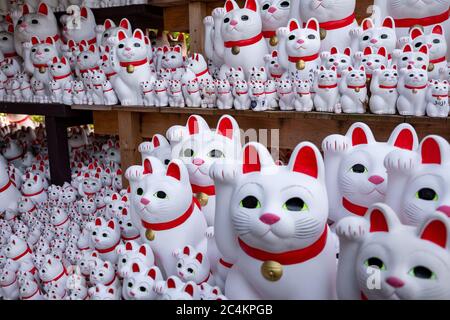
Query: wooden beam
(129, 126)
(176, 19)
(197, 11)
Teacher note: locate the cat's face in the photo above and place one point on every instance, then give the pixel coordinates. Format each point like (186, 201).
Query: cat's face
(32, 185)
(115, 204)
(274, 13)
(235, 74)
(439, 88)
(50, 268)
(88, 57)
(303, 42)
(303, 86)
(279, 208)
(102, 273)
(327, 76)
(416, 59)
(223, 86)
(86, 29)
(175, 289)
(415, 77)
(98, 77)
(7, 42)
(428, 189)
(257, 87)
(326, 10)
(239, 24)
(105, 234)
(340, 61)
(377, 37)
(192, 85)
(356, 77)
(416, 8)
(87, 206)
(111, 30)
(258, 74)
(59, 67)
(435, 41)
(42, 23)
(202, 147)
(241, 86)
(172, 58)
(192, 265)
(273, 64)
(373, 60)
(270, 85)
(131, 48)
(126, 225)
(196, 63)
(284, 86)
(175, 85)
(410, 263)
(139, 284)
(389, 77)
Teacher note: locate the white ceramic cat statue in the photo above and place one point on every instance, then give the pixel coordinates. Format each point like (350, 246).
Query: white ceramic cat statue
(326, 97)
(383, 90)
(274, 15)
(258, 204)
(412, 88)
(354, 163)
(353, 90)
(437, 99)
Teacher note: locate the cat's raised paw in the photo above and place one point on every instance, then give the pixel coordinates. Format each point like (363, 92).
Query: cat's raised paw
(352, 228)
(401, 160)
(336, 143)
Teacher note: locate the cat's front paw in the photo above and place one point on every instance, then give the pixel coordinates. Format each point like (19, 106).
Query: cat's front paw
(325, 55)
(176, 133)
(355, 33)
(401, 160)
(208, 21)
(352, 228)
(134, 173)
(358, 55)
(224, 171)
(112, 41)
(209, 233)
(145, 147)
(218, 13)
(335, 143)
(159, 287)
(402, 41)
(26, 45)
(283, 32)
(100, 28)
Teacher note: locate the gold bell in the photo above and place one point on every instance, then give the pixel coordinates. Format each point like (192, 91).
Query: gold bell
(130, 68)
(431, 67)
(202, 198)
(273, 41)
(272, 270)
(150, 234)
(323, 34)
(357, 89)
(235, 50)
(41, 69)
(300, 64)
(414, 91)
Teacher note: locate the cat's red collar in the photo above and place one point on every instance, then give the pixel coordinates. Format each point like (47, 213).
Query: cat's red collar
(31, 295)
(108, 249)
(331, 86)
(63, 222)
(305, 58)
(112, 281)
(20, 156)
(357, 87)
(6, 186)
(28, 250)
(160, 226)
(336, 24)
(36, 65)
(387, 87)
(131, 238)
(354, 208)
(89, 69)
(202, 73)
(243, 43)
(133, 63)
(209, 190)
(63, 76)
(438, 60)
(440, 95)
(225, 263)
(276, 76)
(269, 34)
(415, 88)
(424, 22)
(205, 280)
(33, 194)
(9, 284)
(10, 54)
(288, 257)
(63, 273)
(191, 92)
(109, 75)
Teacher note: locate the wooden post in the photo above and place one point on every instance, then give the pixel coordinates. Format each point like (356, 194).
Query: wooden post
(197, 11)
(129, 138)
(58, 150)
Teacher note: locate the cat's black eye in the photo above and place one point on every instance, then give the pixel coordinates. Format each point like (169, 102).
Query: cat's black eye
(166, 162)
(130, 285)
(142, 289)
(215, 153)
(331, 60)
(375, 262)
(226, 20)
(20, 21)
(34, 21)
(384, 36)
(311, 37)
(419, 59)
(106, 35)
(140, 191)
(365, 38)
(5, 38)
(104, 235)
(405, 58)
(46, 49)
(418, 44)
(137, 45)
(294, 204)
(436, 41)
(33, 50)
(172, 57)
(250, 202)
(427, 194)
(190, 270)
(364, 60)
(422, 272)
(244, 18)
(359, 168)
(377, 60)
(272, 62)
(266, 6)
(284, 4)
(124, 260)
(179, 265)
(121, 46)
(161, 195)
(94, 233)
(343, 61)
(291, 37)
(188, 153)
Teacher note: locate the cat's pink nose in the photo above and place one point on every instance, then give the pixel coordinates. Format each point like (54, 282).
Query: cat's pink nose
(369, 63)
(411, 62)
(395, 282)
(376, 180)
(233, 22)
(269, 218)
(128, 49)
(373, 41)
(272, 9)
(300, 41)
(429, 45)
(198, 162)
(145, 201)
(444, 209)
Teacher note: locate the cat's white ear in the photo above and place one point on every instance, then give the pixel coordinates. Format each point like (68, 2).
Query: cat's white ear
(251, 5)
(415, 33)
(434, 150)
(404, 137)
(152, 165)
(438, 30)
(407, 48)
(196, 124)
(306, 159)
(293, 25)
(231, 5)
(367, 24)
(176, 169)
(108, 24)
(256, 156)
(389, 22)
(124, 23)
(381, 218)
(138, 34)
(360, 133)
(228, 127)
(436, 229)
(313, 24)
(43, 9)
(368, 51)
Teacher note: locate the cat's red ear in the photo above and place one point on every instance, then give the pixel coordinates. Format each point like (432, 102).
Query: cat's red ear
(155, 141)
(177, 49)
(171, 283)
(152, 273)
(433, 149)
(98, 222)
(43, 9)
(128, 246)
(138, 34)
(49, 40)
(229, 5)
(108, 24)
(382, 52)
(173, 170)
(404, 137)
(189, 289)
(135, 268)
(227, 126)
(143, 250)
(306, 159)
(415, 33)
(368, 51)
(334, 50)
(35, 40)
(438, 29)
(367, 24)
(251, 5)
(435, 230)
(313, 24)
(407, 48)
(186, 251)
(84, 12)
(389, 23)
(199, 257)
(55, 60)
(252, 161)
(63, 60)
(92, 48)
(348, 51)
(147, 167)
(121, 35)
(360, 133)
(25, 9)
(111, 290)
(111, 224)
(381, 218)
(274, 53)
(293, 25)
(10, 28)
(124, 23)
